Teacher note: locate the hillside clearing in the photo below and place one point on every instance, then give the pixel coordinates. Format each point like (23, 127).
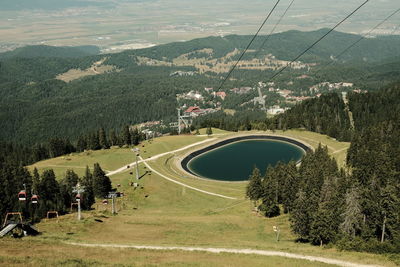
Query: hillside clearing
(161, 213)
(96, 69)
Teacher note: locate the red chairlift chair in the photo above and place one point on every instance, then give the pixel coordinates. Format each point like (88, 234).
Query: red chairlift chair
(78, 197)
(35, 199)
(22, 195)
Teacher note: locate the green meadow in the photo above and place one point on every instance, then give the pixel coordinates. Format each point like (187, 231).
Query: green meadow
(161, 212)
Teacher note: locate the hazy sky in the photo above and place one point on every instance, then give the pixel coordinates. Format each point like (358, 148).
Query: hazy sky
(118, 23)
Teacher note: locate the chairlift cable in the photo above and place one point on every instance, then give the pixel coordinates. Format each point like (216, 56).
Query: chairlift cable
(363, 37)
(248, 46)
(319, 40)
(274, 28)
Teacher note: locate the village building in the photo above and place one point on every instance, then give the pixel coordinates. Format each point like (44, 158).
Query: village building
(274, 110)
(192, 95)
(209, 89)
(221, 95)
(285, 93)
(241, 90)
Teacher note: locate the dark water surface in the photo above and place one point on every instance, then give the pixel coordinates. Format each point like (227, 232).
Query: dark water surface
(235, 161)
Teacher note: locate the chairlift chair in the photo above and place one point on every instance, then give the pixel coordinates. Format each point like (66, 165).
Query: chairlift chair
(34, 199)
(22, 195)
(78, 197)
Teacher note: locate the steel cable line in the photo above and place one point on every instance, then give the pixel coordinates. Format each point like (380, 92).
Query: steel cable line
(362, 37)
(273, 29)
(248, 46)
(319, 40)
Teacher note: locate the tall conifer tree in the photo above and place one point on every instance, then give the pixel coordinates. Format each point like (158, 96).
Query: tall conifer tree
(101, 182)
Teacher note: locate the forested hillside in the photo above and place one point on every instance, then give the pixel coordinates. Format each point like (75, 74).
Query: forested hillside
(356, 209)
(286, 46)
(137, 85)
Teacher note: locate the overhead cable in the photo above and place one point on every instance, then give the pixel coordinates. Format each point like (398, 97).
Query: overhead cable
(273, 29)
(363, 37)
(248, 46)
(319, 40)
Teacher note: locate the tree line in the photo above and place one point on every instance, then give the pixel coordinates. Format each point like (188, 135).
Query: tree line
(357, 209)
(55, 147)
(52, 195)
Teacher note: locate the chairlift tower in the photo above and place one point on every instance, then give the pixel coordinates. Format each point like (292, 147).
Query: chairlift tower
(78, 189)
(112, 195)
(179, 120)
(185, 119)
(137, 150)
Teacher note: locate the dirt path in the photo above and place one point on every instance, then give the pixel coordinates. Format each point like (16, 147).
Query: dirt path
(184, 185)
(340, 150)
(166, 177)
(124, 168)
(234, 251)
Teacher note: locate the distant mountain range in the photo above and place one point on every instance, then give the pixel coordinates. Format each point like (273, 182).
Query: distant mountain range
(286, 46)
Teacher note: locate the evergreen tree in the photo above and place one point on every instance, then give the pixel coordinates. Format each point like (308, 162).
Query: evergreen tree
(35, 181)
(56, 147)
(389, 204)
(269, 204)
(126, 135)
(290, 186)
(103, 142)
(71, 179)
(322, 227)
(254, 188)
(300, 217)
(51, 198)
(93, 141)
(88, 195)
(352, 216)
(209, 131)
(81, 144)
(325, 222)
(39, 153)
(135, 137)
(49, 187)
(113, 138)
(101, 182)
(68, 147)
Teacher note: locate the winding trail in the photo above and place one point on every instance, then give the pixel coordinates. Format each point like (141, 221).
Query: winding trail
(340, 150)
(144, 161)
(234, 251)
(184, 185)
(124, 168)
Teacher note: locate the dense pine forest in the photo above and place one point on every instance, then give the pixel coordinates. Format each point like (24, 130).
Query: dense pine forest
(357, 208)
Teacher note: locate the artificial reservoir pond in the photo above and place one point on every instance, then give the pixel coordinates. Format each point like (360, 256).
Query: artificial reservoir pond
(235, 161)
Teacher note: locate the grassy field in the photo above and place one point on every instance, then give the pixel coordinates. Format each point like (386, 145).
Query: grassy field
(113, 158)
(163, 213)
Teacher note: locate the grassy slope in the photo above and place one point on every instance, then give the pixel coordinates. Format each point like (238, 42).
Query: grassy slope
(170, 215)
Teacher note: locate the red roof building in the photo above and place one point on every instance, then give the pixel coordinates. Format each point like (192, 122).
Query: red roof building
(192, 109)
(222, 95)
